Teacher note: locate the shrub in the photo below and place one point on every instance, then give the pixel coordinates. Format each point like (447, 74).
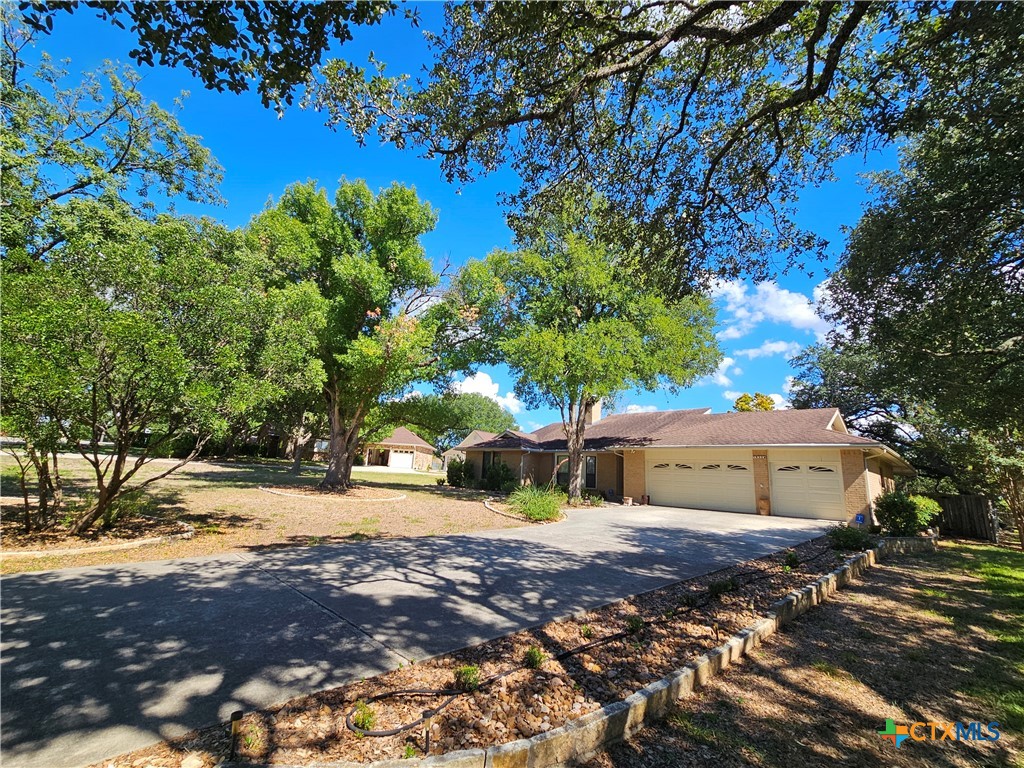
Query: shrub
(634, 624)
(131, 505)
(845, 537)
(534, 657)
(499, 476)
(716, 588)
(536, 503)
(440, 481)
(792, 559)
(363, 716)
(467, 678)
(903, 515)
(586, 631)
(456, 473)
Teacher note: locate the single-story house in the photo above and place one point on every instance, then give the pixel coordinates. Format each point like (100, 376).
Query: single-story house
(459, 451)
(403, 449)
(793, 463)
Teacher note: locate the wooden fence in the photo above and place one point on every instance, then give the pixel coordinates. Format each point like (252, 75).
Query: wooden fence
(972, 516)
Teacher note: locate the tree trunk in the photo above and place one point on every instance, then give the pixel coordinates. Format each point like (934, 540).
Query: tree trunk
(575, 432)
(302, 439)
(343, 441)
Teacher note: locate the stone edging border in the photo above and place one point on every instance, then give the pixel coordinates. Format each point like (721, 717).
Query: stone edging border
(340, 498)
(579, 740)
(35, 554)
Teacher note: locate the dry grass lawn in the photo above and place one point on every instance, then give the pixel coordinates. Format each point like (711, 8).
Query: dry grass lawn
(230, 513)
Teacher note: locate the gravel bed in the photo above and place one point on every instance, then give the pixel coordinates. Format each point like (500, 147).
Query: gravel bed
(652, 634)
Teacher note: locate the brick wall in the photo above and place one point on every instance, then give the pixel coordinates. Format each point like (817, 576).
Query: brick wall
(634, 481)
(855, 484)
(608, 473)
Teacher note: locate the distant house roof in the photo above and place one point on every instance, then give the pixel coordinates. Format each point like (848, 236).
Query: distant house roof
(404, 438)
(473, 438)
(696, 427)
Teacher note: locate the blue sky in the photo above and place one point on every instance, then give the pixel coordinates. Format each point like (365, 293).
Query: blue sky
(761, 326)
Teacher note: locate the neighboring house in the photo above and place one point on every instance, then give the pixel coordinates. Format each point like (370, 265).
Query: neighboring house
(402, 450)
(793, 463)
(459, 451)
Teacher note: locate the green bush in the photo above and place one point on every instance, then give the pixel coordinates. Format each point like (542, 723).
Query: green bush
(499, 477)
(634, 624)
(457, 473)
(845, 537)
(363, 716)
(534, 657)
(903, 515)
(131, 505)
(536, 503)
(467, 678)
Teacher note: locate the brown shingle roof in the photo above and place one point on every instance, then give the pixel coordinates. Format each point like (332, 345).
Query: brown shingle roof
(474, 437)
(694, 427)
(404, 438)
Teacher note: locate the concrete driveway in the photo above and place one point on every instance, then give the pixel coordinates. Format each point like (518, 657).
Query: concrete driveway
(97, 661)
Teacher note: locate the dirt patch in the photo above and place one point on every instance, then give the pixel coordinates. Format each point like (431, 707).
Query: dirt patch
(907, 643)
(125, 532)
(584, 663)
(355, 493)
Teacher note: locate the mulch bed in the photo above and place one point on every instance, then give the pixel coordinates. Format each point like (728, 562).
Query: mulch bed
(653, 634)
(356, 492)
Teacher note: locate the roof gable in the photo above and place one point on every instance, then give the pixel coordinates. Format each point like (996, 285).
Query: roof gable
(404, 437)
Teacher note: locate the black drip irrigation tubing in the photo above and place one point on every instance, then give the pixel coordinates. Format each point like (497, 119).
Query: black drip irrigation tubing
(454, 693)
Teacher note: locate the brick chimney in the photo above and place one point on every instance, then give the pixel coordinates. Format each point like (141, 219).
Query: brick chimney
(595, 414)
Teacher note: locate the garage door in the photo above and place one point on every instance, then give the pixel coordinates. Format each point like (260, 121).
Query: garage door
(401, 459)
(807, 490)
(684, 479)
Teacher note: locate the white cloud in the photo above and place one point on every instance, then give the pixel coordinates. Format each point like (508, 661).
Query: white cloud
(482, 384)
(722, 375)
(745, 308)
(781, 403)
(767, 349)
(633, 408)
(730, 395)
(787, 385)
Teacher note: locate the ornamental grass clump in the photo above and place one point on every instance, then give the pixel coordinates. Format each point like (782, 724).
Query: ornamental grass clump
(537, 504)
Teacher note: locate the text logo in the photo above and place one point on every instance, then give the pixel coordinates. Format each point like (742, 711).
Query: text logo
(921, 731)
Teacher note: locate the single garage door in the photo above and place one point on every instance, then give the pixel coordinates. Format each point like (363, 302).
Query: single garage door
(807, 490)
(401, 459)
(685, 479)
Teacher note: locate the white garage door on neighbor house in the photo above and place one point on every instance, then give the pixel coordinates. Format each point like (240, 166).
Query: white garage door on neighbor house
(401, 459)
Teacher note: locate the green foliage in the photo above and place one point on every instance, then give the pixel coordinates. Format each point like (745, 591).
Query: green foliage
(230, 45)
(576, 322)
(456, 473)
(756, 402)
(363, 716)
(127, 507)
(721, 586)
(467, 678)
(903, 515)
(69, 148)
(635, 624)
(362, 260)
(534, 657)
(586, 631)
(500, 477)
(446, 420)
(848, 538)
(537, 503)
(409, 752)
(792, 560)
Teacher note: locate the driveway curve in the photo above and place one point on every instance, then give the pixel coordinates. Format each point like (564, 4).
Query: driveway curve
(101, 660)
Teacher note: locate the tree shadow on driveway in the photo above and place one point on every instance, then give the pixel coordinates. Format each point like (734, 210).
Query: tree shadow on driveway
(98, 661)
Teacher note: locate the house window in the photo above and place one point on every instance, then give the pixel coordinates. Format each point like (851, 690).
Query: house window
(562, 462)
(590, 471)
(712, 466)
(821, 469)
(490, 457)
(738, 468)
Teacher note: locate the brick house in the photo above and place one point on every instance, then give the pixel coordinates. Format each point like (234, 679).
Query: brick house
(792, 463)
(402, 449)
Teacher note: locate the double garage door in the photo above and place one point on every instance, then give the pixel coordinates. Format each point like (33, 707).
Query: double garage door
(692, 479)
(725, 482)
